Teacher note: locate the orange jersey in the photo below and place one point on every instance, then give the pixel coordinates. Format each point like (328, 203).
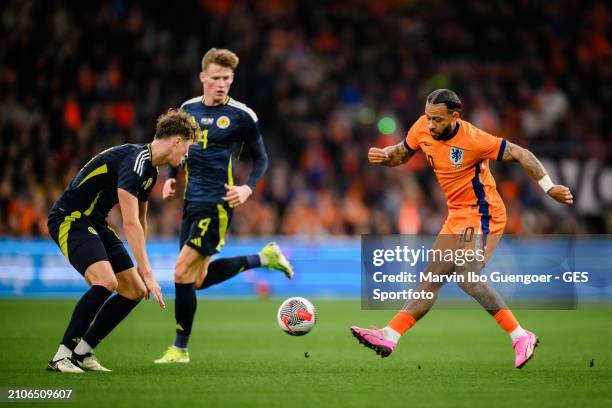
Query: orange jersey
(461, 165)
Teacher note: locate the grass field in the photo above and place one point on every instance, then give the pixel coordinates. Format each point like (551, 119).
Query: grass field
(240, 358)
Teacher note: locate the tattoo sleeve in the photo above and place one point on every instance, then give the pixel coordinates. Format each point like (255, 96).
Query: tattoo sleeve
(526, 159)
(398, 154)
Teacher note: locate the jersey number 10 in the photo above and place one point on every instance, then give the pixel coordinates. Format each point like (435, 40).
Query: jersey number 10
(430, 160)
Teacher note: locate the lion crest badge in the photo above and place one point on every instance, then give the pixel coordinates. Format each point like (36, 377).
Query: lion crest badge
(456, 157)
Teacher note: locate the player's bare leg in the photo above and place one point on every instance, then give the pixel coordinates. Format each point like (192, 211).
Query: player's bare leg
(482, 292)
(383, 341)
(203, 272)
(130, 291)
(523, 341)
(190, 266)
(101, 278)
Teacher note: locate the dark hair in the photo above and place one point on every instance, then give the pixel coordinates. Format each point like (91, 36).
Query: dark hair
(176, 122)
(447, 97)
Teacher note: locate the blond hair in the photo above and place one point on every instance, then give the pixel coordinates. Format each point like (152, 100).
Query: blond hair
(176, 122)
(222, 56)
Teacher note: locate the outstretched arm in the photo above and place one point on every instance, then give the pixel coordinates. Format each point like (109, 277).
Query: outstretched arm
(142, 216)
(391, 155)
(136, 239)
(537, 172)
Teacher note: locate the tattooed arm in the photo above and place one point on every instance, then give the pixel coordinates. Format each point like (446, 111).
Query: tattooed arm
(391, 155)
(536, 171)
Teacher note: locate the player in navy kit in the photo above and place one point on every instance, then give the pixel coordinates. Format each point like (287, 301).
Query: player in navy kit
(227, 129)
(77, 223)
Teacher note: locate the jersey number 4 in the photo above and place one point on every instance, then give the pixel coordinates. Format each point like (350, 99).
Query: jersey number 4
(203, 137)
(203, 226)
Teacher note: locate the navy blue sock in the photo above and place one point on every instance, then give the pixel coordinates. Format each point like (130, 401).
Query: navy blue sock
(83, 314)
(185, 306)
(223, 269)
(109, 317)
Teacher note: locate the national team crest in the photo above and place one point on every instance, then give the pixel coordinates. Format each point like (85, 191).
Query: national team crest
(456, 156)
(223, 122)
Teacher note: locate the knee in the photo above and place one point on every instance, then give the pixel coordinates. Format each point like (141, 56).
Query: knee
(101, 274)
(134, 292)
(469, 287)
(432, 287)
(110, 283)
(183, 271)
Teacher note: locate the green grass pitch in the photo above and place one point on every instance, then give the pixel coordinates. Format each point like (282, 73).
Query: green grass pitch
(241, 358)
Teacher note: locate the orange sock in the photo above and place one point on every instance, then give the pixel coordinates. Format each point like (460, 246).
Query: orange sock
(402, 322)
(506, 320)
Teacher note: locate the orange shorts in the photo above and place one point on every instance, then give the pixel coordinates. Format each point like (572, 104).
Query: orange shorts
(475, 230)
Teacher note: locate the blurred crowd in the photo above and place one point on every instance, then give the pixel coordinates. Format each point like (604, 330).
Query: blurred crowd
(327, 80)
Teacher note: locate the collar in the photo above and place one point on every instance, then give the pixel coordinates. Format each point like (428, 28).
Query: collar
(453, 133)
(225, 102)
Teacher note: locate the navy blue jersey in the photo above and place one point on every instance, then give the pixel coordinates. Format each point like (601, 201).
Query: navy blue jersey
(227, 130)
(93, 191)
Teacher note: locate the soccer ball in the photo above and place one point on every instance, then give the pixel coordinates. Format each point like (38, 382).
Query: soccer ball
(296, 316)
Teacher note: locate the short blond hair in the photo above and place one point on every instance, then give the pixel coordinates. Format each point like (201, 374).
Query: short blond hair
(221, 56)
(176, 122)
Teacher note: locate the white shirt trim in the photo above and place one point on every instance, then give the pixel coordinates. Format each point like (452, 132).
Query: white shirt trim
(192, 100)
(243, 107)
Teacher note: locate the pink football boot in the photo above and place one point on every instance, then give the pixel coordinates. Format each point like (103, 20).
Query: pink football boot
(374, 339)
(524, 347)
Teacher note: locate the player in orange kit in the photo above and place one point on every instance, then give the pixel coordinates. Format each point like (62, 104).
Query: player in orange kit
(459, 154)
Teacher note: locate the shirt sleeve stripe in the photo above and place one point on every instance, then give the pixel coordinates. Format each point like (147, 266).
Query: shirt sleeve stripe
(410, 149)
(136, 162)
(502, 148)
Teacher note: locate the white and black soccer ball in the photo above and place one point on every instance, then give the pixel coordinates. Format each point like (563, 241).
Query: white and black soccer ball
(296, 316)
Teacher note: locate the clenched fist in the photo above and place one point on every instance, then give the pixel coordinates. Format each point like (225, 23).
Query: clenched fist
(377, 156)
(169, 189)
(562, 194)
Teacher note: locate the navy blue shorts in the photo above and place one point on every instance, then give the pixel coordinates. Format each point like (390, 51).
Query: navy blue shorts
(84, 241)
(204, 226)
